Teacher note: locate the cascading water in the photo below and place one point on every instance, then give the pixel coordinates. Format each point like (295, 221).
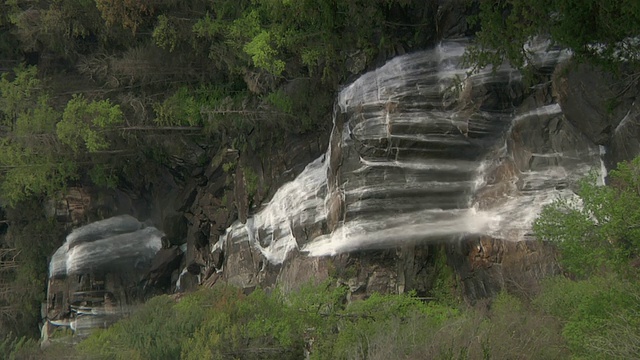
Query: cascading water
(115, 243)
(93, 276)
(420, 151)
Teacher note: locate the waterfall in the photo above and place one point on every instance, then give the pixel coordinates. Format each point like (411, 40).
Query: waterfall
(423, 152)
(94, 275)
(119, 243)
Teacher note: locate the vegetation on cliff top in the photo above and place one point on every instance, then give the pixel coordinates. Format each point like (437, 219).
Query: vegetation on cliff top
(601, 32)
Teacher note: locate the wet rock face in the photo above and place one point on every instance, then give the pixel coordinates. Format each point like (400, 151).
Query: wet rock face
(604, 107)
(419, 156)
(99, 272)
(237, 183)
(120, 243)
(416, 159)
(485, 266)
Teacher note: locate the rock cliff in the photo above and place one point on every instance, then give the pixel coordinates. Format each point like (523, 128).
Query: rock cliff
(422, 162)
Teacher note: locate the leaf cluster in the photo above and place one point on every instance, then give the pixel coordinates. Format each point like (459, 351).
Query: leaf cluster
(83, 121)
(600, 231)
(600, 32)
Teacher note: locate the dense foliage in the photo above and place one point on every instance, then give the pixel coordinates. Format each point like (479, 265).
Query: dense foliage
(221, 323)
(601, 232)
(599, 245)
(27, 243)
(103, 74)
(602, 32)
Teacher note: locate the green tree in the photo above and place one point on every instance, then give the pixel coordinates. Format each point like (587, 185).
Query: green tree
(599, 315)
(26, 171)
(602, 32)
(54, 27)
(17, 95)
(85, 123)
(601, 231)
(32, 161)
(129, 13)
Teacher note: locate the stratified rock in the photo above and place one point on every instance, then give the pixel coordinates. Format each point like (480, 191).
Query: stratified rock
(603, 106)
(175, 228)
(420, 155)
(103, 269)
(625, 139)
(485, 266)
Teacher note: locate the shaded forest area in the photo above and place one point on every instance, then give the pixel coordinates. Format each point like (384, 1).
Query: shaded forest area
(86, 83)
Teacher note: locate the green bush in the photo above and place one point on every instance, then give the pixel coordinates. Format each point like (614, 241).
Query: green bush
(597, 239)
(12, 348)
(601, 32)
(601, 232)
(155, 331)
(600, 315)
(184, 107)
(221, 323)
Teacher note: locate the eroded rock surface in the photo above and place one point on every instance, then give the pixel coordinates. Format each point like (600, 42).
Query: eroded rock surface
(416, 159)
(419, 159)
(485, 266)
(603, 106)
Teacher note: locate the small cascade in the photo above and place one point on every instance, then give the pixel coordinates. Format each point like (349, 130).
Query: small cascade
(114, 243)
(423, 152)
(296, 205)
(95, 274)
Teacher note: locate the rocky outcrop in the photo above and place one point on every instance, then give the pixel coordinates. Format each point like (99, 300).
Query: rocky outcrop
(71, 207)
(497, 147)
(233, 184)
(548, 146)
(485, 266)
(415, 161)
(603, 106)
(451, 18)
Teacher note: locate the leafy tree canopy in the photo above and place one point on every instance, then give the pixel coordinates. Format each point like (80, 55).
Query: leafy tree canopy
(602, 231)
(84, 123)
(602, 32)
(17, 95)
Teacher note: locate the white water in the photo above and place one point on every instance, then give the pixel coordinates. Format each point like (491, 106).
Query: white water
(118, 243)
(298, 203)
(423, 156)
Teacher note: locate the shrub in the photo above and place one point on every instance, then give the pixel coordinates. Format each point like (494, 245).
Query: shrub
(601, 232)
(600, 315)
(602, 32)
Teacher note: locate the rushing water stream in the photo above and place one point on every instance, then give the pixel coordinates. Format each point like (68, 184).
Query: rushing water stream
(420, 151)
